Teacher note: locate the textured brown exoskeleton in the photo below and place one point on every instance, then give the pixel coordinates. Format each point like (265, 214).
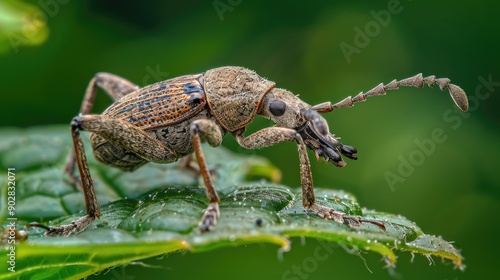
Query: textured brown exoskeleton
(168, 120)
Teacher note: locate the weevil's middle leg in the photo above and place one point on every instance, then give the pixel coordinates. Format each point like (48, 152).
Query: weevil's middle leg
(211, 133)
(116, 87)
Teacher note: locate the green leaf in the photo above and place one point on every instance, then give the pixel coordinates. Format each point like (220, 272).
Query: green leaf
(155, 210)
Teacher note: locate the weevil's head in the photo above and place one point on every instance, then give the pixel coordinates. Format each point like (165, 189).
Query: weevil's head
(284, 108)
(287, 110)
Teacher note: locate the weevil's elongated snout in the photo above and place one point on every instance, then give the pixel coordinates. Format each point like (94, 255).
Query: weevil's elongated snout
(324, 145)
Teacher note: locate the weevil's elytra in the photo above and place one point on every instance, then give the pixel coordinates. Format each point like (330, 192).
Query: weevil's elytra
(161, 104)
(168, 120)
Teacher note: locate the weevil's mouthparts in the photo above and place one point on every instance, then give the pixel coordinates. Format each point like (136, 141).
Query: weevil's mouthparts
(326, 146)
(348, 151)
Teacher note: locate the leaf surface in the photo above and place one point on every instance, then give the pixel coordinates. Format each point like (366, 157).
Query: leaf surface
(156, 209)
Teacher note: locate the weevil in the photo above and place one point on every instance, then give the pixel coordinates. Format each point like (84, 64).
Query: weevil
(169, 120)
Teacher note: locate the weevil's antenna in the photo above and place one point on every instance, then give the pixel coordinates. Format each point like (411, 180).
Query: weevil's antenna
(457, 94)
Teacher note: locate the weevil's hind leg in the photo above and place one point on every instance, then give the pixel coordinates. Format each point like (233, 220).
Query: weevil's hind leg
(309, 199)
(119, 133)
(187, 163)
(211, 133)
(116, 87)
(91, 205)
(457, 94)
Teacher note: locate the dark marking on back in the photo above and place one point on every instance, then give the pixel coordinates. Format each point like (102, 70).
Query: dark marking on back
(162, 87)
(196, 99)
(190, 88)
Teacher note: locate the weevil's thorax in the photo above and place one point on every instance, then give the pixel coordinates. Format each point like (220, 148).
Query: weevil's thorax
(283, 107)
(234, 95)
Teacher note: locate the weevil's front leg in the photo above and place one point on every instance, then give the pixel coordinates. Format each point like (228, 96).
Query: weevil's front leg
(211, 133)
(273, 135)
(266, 137)
(116, 87)
(309, 199)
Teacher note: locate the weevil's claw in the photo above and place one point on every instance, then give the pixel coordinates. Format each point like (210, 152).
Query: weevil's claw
(65, 230)
(210, 217)
(341, 217)
(37, 224)
(328, 213)
(358, 221)
(380, 225)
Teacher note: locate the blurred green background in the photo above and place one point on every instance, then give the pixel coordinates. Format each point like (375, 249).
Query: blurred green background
(49, 52)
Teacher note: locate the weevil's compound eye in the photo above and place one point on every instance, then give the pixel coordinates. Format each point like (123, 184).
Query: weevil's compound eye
(277, 107)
